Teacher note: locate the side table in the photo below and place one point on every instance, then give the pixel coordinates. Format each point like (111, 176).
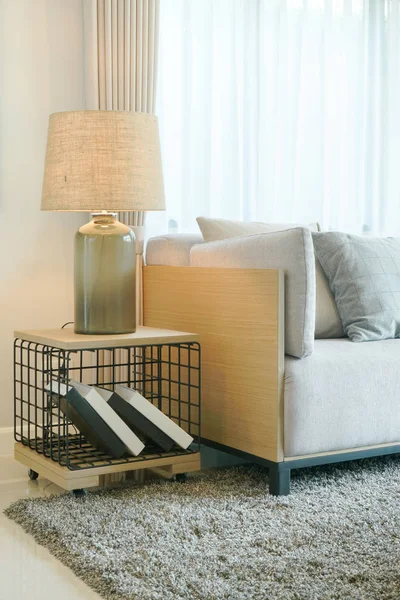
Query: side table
(163, 365)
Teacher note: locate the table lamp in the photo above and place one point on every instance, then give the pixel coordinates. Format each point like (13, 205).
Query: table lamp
(103, 162)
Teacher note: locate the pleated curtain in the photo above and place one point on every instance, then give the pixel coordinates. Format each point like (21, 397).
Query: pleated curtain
(121, 48)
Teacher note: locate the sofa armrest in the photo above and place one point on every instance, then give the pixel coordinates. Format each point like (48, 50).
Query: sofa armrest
(239, 314)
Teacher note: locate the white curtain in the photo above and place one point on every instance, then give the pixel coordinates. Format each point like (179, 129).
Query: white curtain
(281, 110)
(121, 53)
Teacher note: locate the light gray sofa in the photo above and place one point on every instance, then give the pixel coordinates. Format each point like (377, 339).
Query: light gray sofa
(334, 401)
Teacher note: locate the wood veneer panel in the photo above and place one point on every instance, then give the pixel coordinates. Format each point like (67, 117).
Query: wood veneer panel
(239, 316)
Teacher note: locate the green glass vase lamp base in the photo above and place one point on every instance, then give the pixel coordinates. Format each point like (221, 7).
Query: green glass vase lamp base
(105, 276)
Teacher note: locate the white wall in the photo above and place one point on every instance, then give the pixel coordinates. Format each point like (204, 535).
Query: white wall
(41, 71)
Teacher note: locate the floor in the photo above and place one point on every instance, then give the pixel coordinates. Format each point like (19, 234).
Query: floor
(28, 570)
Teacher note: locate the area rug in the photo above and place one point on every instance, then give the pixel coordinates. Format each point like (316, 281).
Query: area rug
(221, 536)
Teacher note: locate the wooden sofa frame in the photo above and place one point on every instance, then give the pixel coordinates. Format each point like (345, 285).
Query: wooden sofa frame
(239, 314)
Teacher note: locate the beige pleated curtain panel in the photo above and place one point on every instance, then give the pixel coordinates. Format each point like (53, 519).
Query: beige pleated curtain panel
(121, 48)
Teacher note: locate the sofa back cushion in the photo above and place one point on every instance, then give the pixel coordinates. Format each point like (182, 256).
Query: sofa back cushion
(327, 319)
(290, 250)
(221, 229)
(364, 276)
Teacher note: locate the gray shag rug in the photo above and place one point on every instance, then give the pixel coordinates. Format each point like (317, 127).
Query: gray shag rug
(222, 536)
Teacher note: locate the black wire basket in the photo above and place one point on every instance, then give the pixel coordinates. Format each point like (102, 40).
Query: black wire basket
(168, 375)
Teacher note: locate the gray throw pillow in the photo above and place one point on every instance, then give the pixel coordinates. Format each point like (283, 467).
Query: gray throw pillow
(364, 276)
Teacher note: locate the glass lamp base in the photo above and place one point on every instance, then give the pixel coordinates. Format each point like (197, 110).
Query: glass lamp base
(105, 277)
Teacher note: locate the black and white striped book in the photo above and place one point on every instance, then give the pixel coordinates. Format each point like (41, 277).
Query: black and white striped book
(95, 419)
(140, 424)
(152, 415)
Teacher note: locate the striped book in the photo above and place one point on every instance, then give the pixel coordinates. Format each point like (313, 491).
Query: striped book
(95, 419)
(151, 414)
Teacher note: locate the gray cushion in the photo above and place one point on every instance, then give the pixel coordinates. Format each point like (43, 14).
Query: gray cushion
(343, 396)
(327, 318)
(290, 250)
(364, 276)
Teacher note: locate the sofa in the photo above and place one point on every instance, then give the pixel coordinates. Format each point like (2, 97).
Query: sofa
(271, 392)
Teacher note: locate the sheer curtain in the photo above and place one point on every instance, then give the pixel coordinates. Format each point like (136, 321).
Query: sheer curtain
(281, 110)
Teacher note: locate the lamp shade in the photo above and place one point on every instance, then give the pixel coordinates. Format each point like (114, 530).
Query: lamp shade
(103, 161)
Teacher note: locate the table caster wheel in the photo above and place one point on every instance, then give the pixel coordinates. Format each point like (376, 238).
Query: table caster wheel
(79, 493)
(181, 477)
(32, 474)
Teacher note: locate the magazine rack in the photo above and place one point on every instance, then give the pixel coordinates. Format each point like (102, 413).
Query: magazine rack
(163, 365)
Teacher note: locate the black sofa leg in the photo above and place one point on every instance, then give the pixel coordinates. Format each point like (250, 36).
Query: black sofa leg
(279, 480)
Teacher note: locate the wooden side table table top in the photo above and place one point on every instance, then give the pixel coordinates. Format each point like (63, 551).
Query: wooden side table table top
(67, 339)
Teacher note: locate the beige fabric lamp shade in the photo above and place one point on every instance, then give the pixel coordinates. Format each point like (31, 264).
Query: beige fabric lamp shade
(103, 161)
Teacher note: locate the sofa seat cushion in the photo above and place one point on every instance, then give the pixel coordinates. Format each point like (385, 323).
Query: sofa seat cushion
(343, 396)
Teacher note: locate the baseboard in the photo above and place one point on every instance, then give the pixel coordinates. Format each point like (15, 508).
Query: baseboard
(6, 441)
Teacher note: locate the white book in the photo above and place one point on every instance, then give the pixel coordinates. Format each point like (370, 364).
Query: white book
(156, 416)
(130, 440)
(105, 394)
(57, 388)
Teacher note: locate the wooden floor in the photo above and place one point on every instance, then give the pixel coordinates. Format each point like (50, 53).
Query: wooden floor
(28, 570)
